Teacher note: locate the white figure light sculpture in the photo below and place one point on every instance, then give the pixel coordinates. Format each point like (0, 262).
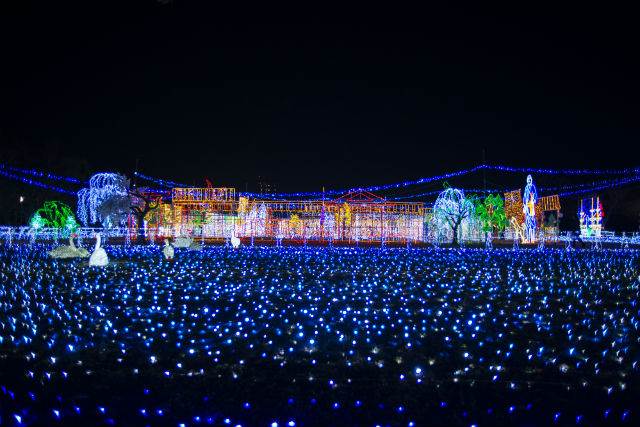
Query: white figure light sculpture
(518, 232)
(168, 251)
(529, 208)
(488, 242)
(235, 241)
(70, 251)
(99, 256)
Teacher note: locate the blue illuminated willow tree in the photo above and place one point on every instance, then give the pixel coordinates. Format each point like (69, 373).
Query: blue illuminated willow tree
(54, 214)
(106, 201)
(450, 211)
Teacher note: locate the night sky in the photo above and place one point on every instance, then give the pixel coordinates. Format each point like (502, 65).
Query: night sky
(306, 98)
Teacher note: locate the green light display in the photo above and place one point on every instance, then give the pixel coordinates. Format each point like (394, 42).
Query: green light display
(54, 214)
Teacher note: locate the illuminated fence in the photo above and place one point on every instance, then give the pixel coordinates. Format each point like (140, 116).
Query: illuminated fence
(85, 236)
(81, 235)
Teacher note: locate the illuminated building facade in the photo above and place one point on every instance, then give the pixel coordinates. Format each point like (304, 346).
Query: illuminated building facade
(216, 213)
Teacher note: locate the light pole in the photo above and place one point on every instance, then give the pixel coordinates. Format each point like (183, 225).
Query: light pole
(21, 201)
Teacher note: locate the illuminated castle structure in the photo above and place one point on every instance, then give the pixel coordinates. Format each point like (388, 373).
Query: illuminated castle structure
(216, 213)
(590, 216)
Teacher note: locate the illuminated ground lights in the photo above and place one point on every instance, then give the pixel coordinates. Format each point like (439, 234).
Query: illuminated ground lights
(320, 336)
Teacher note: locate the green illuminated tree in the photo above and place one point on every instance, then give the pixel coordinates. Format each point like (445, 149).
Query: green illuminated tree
(490, 212)
(54, 214)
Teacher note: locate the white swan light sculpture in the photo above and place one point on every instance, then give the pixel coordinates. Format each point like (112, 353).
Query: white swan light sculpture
(168, 251)
(99, 256)
(71, 251)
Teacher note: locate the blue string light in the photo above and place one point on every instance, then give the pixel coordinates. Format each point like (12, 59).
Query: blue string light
(435, 192)
(628, 171)
(607, 182)
(30, 181)
(602, 187)
(40, 174)
(573, 189)
(161, 182)
(420, 181)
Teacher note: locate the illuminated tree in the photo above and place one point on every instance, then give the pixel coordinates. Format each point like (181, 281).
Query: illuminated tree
(451, 209)
(54, 214)
(106, 201)
(295, 224)
(243, 205)
(490, 212)
(343, 219)
(142, 203)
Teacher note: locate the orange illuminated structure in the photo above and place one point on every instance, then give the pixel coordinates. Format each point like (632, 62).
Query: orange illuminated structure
(547, 211)
(548, 214)
(355, 217)
(513, 206)
(205, 212)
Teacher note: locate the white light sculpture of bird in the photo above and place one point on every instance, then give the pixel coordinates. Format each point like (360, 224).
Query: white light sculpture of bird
(99, 256)
(70, 251)
(168, 250)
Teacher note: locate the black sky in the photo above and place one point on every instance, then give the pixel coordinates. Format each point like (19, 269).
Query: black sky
(317, 97)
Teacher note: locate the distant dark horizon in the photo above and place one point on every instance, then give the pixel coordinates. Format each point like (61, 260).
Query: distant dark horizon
(188, 91)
